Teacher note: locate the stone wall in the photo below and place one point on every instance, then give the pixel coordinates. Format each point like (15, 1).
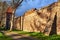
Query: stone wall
(58, 19)
(42, 20)
(17, 23)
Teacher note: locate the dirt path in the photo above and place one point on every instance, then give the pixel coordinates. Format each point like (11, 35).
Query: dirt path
(16, 36)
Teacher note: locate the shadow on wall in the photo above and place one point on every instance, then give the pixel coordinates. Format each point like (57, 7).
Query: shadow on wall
(53, 29)
(36, 27)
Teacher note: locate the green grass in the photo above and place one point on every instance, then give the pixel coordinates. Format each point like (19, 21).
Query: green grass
(3, 37)
(40, 36)
(2, 28)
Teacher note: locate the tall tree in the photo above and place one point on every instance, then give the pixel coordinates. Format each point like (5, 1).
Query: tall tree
(15, 5)
(3, 6)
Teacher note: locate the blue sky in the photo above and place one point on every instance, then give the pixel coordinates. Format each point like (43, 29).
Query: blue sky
(29, 4)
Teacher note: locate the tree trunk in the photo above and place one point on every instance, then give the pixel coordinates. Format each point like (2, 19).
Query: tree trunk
(11, 22)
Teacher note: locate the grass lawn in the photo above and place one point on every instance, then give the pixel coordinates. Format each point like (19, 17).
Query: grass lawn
(40, 36)
(2, 37)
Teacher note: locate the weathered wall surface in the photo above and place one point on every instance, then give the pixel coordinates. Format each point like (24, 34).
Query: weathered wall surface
(30, 24)
(33, 22)
(58, 19)
(42, 20)
(17, 24)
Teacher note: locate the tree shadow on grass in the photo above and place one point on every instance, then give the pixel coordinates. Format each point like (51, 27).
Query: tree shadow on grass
(21, 37)
(26, 38)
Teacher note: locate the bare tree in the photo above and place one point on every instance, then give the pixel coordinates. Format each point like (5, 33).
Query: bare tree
(15, 5)
(3, 6)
